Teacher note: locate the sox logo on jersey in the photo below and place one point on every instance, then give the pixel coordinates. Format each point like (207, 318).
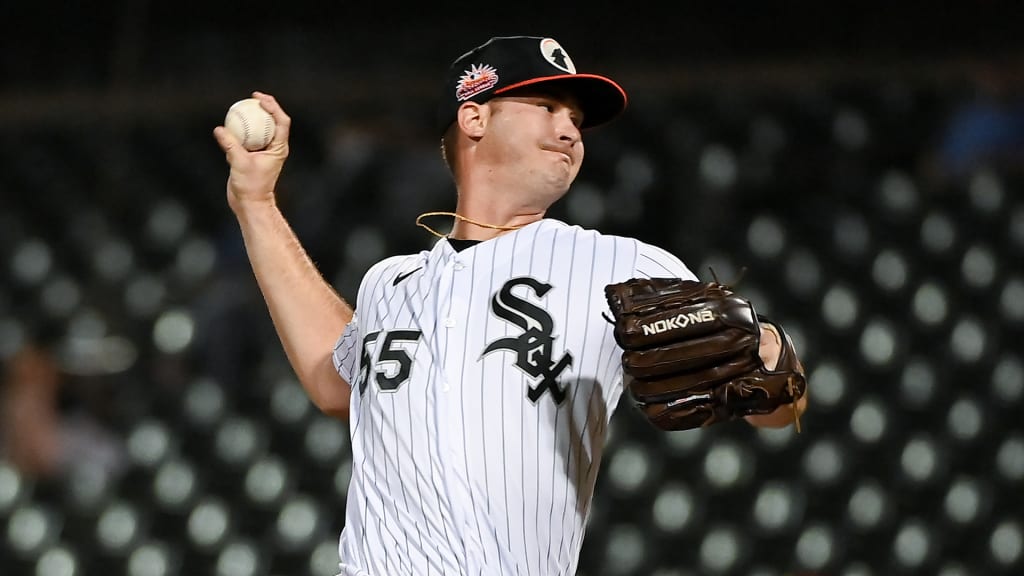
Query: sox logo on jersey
(533, 346)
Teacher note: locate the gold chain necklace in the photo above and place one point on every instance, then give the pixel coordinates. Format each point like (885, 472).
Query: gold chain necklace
(419, 222)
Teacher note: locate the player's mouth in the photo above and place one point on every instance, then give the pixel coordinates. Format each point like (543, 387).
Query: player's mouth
(565, 154)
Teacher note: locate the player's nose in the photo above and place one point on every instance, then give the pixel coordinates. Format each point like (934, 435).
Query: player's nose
(567, 129)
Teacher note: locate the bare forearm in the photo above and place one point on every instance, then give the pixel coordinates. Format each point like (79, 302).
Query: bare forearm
(307, 313)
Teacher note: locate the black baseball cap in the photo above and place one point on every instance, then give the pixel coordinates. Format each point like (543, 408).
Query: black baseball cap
(506, 63)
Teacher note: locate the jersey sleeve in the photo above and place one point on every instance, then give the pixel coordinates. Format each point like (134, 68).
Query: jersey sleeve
(346, 350)
(654, 262)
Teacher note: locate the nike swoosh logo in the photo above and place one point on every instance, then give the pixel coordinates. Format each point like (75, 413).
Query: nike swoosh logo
(401, 277)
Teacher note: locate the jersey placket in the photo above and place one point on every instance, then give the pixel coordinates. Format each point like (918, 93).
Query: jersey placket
(451, 311)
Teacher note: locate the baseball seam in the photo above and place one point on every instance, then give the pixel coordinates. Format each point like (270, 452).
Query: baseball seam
(245, 130)
(268, 126)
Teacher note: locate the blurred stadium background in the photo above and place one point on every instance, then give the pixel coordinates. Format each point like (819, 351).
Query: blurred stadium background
(862, 163)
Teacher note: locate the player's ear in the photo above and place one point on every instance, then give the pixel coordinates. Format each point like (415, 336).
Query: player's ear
(472, 118)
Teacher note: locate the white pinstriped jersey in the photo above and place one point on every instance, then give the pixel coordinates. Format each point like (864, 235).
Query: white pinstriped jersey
(482, 386)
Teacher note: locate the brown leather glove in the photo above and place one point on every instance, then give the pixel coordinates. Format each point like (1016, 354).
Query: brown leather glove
(690, 353)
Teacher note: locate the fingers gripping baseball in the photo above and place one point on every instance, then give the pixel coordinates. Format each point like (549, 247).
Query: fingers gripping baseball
(282, 122)
(254, 175)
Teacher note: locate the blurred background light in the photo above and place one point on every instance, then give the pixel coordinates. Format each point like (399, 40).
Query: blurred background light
(869, 420)
(879, 342)
(175, 484)
(675, 509)
(1011, 301)
(718, 167)
(985, 191)
(1008, 379)
(629, 468)
(965, 502)
(32, 261)
(625, 549)
(208, 523)
(151, 559)
(920, 460)
(869, 506)
(721, 550)
(938, 232)
(918, 383)
(802, 271)
(840, 307)
(968, 340)
(1010, 458)
(727, 465)
(890, 270)
(778, 507)
(830, 384)
(852, 235)
(815, 547)
(118, 526)
(913, 544)
(58, 561)
(238, 559)
(298, 522)
(978, 267)
(850, 129)
(766, 238)
(824, 461)
(930, 304)
(897, 192)
(1007, 543)
(173, 331)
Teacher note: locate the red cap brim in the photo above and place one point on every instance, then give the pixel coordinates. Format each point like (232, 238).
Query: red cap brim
(600, 98)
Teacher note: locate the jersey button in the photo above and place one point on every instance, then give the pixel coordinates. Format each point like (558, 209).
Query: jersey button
(449, 322)
(459, 266)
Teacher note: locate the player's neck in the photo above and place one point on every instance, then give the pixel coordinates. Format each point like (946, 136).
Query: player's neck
(483, 221)
(481, 229)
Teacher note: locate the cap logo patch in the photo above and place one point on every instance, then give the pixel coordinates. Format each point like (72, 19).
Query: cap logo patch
(556, 55)
(478, 78)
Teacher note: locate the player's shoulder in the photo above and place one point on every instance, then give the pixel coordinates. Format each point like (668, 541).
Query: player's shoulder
(623, 242)
(649, 260)
(554, 226)
(384, 272)
(392, 265)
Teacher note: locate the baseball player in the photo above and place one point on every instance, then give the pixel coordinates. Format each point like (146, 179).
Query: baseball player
(478, 377)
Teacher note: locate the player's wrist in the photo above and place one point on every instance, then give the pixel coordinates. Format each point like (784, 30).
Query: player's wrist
(249, 206)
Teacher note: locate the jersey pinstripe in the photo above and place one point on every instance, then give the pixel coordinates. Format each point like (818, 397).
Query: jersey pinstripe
(482, 386)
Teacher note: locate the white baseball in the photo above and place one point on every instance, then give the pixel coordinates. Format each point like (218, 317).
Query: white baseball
(250, 123)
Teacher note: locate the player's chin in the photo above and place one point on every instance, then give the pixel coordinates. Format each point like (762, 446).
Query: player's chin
(562, 176)
(558, 190)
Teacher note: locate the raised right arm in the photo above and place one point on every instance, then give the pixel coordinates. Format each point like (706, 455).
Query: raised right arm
(308, 314)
